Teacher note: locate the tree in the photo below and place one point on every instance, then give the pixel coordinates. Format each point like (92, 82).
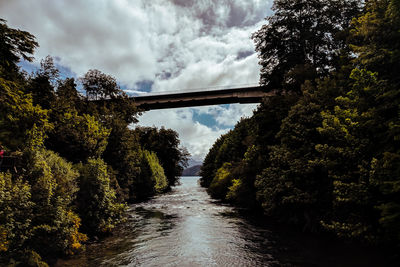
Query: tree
(99, 85)
(123, 153)
(119, 112)
(246, 149)
(375, 39)
(41, 85)
(302, 41)
(14, 44)
(229, 148)
(67, 94)
(77, 137)
(295, 187)
(209, 168)
(363, 132)
(352, 131)
(165, 144)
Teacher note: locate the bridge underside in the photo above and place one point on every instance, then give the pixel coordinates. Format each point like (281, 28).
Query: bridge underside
(195, 102)
(245, 95)
(202, 98)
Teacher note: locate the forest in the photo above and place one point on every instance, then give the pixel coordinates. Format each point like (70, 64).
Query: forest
(70, 165)
(323, 154)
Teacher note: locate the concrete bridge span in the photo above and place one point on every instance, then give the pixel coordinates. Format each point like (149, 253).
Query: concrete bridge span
(202, 98)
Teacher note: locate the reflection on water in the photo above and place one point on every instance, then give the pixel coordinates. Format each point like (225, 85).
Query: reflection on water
(187, 228)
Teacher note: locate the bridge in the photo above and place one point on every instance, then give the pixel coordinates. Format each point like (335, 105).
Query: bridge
(243, 95)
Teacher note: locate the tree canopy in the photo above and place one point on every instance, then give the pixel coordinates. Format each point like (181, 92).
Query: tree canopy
(302, 40)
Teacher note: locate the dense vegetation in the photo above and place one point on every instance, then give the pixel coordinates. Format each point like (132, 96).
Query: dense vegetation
(71, 164)
(324, 153)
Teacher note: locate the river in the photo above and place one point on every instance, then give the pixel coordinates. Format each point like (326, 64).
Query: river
(185, 227)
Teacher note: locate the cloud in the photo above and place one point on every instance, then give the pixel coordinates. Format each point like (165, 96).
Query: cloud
(196, 137)
(159, 45)
(226, 13)
(228, 116)
(137, 40)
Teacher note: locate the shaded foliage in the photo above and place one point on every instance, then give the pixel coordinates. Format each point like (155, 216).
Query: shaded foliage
(97, 204)
(326, 158)
(302, 41)
(14, 44)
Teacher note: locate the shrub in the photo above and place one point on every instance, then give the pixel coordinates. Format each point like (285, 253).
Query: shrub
(97, 204)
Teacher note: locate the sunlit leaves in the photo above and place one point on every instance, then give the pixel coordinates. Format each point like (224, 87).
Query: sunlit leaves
(21, 123)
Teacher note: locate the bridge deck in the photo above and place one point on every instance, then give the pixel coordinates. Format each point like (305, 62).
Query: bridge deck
(253, 94)
(202, 98)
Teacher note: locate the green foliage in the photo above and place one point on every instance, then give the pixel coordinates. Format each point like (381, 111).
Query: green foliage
(54, 186)
(96, 200)
(15, 215)
(21, 123)
(40, 86)
(40, 199)
(33, 259)
(123, 154)
(376, 39)
(13, 45)
(78, 137)
(209, 167)
(243, 192)
(235, 190)
(142, 186)
(328, 159)
(302, 41)
(99, 85)
(165, 143)
(157, 172)
(221, 182)
(247, 147)
(295, 187)
(228, 148)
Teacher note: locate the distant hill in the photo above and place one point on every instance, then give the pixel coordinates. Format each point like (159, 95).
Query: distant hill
(192, 171)
(193, 162)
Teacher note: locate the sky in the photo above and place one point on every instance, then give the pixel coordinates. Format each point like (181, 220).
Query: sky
(153, 46)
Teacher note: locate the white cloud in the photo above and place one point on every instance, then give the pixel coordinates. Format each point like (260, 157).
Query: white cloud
(230, 115)
(197, 138)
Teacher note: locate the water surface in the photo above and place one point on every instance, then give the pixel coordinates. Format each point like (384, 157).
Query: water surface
(187, 228)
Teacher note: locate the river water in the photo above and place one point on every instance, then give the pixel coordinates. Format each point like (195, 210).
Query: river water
(185, 227)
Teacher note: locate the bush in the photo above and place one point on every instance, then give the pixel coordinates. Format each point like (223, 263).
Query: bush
(157, 172)
(221, 182)
(15, 215)
(97, 204)
(54, 187)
